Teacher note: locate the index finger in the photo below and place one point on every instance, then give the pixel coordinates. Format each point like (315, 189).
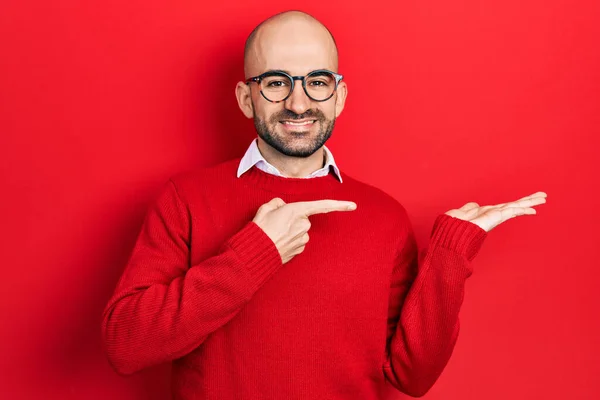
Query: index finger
(536, 194)
(309, 208)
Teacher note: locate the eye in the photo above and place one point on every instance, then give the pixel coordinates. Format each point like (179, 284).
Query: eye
(318, 83)
(276, 83)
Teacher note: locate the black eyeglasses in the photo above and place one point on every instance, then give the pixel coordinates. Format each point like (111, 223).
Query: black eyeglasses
(276, 86)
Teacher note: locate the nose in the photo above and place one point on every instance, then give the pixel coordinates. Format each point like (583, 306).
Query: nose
(298, 101)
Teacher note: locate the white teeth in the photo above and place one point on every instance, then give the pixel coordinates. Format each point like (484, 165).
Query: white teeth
(298, 123)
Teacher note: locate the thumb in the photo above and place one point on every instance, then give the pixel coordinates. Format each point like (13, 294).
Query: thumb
(276, 203)
(269, 206)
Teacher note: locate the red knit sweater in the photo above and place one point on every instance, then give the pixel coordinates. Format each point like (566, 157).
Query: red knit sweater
(358, 315)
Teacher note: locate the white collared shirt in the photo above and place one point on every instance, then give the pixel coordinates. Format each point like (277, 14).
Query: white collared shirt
(254, 157)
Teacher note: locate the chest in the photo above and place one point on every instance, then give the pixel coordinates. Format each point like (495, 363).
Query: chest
(345, 267)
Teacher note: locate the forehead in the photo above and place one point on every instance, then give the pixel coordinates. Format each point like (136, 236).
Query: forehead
(296, 48)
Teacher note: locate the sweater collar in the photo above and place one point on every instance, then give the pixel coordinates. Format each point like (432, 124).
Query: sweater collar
(325, 186)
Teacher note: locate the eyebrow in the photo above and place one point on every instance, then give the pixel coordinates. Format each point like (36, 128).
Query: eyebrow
(288, 72)
(278, 70)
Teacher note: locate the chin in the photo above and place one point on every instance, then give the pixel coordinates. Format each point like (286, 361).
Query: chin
(301, 150)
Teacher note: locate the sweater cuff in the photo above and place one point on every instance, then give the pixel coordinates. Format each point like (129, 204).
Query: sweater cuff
(257, 252)
(458, 235)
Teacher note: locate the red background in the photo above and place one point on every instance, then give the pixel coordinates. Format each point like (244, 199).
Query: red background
(449, 102)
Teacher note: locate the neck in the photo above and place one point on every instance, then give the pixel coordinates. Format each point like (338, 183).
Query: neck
(293, 167)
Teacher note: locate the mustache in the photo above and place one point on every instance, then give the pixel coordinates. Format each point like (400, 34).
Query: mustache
(290, 115)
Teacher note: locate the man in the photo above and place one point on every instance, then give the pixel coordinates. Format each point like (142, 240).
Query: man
(225, 282)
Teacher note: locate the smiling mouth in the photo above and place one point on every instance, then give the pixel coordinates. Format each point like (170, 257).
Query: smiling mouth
(299, 123)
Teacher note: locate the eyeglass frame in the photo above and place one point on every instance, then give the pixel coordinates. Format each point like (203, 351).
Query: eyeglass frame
(293, 79)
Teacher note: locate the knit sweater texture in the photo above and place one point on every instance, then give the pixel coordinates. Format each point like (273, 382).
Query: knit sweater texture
(360, 314)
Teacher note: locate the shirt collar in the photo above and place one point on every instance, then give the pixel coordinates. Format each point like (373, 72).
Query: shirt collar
(253, 157)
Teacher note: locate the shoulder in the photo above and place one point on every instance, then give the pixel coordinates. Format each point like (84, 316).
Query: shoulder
(384, 212)
(205, 176)
(191, 185)
(374, 196)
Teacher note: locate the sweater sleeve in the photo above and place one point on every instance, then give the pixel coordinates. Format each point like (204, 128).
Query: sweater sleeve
(163, 307)
(427, 292)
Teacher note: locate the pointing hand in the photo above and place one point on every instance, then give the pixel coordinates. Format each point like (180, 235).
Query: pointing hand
(287, 224)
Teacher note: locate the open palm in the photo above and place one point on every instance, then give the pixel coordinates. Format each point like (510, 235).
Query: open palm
(488, 217)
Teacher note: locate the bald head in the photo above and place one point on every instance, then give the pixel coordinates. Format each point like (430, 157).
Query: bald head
(272, 43)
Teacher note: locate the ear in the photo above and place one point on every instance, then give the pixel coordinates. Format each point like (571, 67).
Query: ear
(340, 99)
(243, 94)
